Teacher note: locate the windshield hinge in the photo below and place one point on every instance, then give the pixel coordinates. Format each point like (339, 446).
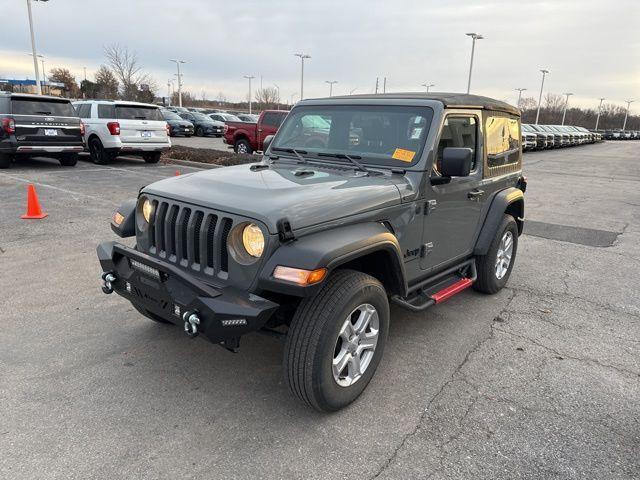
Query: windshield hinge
(284, 230)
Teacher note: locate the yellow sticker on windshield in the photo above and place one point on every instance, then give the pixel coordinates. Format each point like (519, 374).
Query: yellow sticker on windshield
(403, 155)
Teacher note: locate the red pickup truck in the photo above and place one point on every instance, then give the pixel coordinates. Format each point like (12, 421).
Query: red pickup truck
(248, 137)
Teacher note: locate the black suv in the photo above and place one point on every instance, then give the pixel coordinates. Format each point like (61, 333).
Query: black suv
(403, 198)
(38, 125)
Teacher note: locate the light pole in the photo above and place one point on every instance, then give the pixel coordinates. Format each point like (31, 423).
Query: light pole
(178, 62)
(520, 90)
(428, 86)
(33, 47)
(330, 82)
(599, 111)
(249, 77)
(278, 102)
(544, 73)
(474, 36)
(302, 58)
(629, 102)
(169, 85)
(566, 104)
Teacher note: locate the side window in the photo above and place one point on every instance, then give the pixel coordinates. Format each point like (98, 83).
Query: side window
(106, 111)
(272, 119)
(84, 110)
(459, 132)
(502, 141)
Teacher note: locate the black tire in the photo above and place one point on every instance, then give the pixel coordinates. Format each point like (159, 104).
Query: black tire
(242, 146)
(152, 157)
(488, 281)
(313, 339)
(68, 159)
(98, 154)
(149, 315)
(5, 160)
(199, 132)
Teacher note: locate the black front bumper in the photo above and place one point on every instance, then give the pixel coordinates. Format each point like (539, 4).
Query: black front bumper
(225, 313)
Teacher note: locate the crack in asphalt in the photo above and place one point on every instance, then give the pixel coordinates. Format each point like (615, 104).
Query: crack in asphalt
(452, 378)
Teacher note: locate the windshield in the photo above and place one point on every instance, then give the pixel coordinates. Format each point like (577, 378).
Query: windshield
(28, 106)
(126, 112)
(170, 115)
(384, 135)
(200, 116)
(230, 118)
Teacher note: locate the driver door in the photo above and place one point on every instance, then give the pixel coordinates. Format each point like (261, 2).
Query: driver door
(453, 209)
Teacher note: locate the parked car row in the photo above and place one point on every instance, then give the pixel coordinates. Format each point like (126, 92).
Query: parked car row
(539, 137)
(620, 134)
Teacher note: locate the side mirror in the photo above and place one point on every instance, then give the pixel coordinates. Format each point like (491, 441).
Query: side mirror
(266, 142)
(456, 162)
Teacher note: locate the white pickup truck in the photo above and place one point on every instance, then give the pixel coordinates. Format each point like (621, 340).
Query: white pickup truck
(114, 127)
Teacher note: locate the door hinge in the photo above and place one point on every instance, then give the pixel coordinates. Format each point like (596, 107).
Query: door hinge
(429, 206)
(284, 230)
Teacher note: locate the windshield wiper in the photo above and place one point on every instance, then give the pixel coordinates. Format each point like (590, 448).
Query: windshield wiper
(352, 158)
(297, 153)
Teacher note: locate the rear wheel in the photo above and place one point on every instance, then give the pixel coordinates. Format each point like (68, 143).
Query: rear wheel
(336, 340)
(243, 146)
(495, 267)
(68, 159)
(152, 157)
(97, 152)
(5, 160)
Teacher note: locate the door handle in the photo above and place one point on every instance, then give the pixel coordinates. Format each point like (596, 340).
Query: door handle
(474, 194)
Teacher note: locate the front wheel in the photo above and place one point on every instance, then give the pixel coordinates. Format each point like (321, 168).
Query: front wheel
(495, 267)
(336, 340)
(152, 157)
(199, 132)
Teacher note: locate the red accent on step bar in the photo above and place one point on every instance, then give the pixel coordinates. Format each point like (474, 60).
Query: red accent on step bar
(451, 290)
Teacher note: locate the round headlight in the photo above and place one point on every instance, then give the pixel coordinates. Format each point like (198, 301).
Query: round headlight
(147, 210)
(253, 240)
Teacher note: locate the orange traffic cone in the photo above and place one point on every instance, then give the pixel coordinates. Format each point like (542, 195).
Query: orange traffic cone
(177, 173)
(33, 205)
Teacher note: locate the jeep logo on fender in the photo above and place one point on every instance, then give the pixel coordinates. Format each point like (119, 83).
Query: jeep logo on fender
(411, 253)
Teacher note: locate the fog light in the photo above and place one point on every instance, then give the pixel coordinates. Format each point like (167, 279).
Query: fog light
(142, 268)
(127, 285)
(299, 276)
(176, 310)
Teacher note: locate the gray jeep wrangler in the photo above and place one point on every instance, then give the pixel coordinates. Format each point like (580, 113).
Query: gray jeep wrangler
(357, 202)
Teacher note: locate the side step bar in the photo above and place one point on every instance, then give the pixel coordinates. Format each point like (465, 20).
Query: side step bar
(440, 287)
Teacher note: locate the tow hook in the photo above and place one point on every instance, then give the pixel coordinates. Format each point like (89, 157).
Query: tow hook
(191, 322)
(107, 282)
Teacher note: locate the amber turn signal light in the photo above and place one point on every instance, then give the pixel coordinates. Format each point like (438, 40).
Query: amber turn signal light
(117, 218)
(299, 276)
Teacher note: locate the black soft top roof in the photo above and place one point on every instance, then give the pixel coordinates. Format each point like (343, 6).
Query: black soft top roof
(450, 100)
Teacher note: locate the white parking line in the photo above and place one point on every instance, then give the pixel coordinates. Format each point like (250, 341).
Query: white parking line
(75, 195)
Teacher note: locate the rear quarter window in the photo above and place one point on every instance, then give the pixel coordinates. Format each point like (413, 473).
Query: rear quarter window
(28, 106)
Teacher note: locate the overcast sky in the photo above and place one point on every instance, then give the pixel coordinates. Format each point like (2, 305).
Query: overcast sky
(592, 48)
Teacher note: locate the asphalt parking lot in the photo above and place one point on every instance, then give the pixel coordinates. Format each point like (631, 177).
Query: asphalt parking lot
(539, 381)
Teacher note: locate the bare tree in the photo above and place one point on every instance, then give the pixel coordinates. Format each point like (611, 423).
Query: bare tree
(528, 103)
(267, 96)
(128, 71)
(222, 98)
(554, 102)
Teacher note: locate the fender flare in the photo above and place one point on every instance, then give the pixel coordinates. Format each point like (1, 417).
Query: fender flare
(127, 227)
(331, 249)
(510, 200)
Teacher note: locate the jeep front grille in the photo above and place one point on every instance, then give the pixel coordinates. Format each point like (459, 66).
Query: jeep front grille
(190, 237)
